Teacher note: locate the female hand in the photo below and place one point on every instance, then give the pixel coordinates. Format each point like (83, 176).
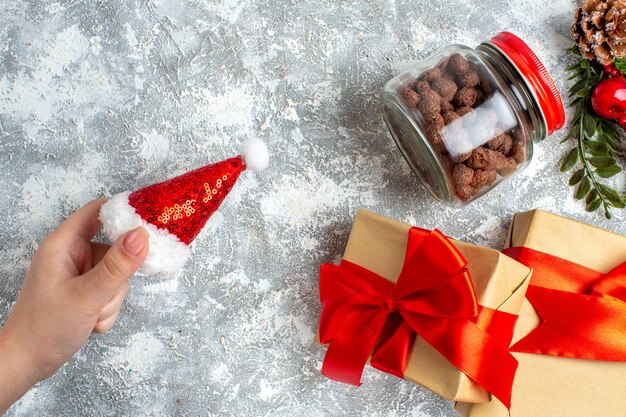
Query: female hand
(73, 287)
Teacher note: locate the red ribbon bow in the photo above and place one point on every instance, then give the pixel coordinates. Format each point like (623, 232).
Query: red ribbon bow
(583, 311)
(364, 314)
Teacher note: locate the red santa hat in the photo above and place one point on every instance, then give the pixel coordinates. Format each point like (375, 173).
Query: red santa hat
(175, 211)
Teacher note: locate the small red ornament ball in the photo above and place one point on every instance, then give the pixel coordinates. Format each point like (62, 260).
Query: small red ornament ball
(612, 70)
(608, 99)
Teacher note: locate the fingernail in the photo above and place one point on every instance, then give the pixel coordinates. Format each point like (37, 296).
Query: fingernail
(135, 241)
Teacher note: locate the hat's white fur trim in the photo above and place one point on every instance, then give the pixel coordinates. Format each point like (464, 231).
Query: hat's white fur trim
(166, 255)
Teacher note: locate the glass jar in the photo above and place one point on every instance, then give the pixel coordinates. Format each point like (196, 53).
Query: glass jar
(465, 119)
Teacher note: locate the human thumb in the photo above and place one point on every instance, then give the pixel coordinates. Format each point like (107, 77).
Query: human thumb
(120, 262)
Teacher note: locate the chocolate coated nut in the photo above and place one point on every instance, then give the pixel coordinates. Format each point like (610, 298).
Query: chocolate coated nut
(518, 153)
(483, 178)
(446, 106)
(465, 192)
(496, 142)
(445, 87)
(458, 64)
(481, 158)
(437, 122)
(497, 159)
(507, 167)
(430, 95)
(469, 79)
(462, 175)
(421, 86)
(507, 145)
(434, 135)
(430, 107)
(463, 110)
(486, 86)
(410, 97)
(466, 97)
(450, 116)
(431, 74)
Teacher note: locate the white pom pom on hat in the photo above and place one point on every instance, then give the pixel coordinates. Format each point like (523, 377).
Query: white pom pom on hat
(255, 154)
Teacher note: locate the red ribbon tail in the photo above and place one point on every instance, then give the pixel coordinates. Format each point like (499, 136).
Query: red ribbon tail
(352, 345)
(482, 357)
(494, 371)
(576, 326)
(396, 340)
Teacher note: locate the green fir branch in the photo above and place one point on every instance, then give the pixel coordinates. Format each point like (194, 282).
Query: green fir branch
(596, 139)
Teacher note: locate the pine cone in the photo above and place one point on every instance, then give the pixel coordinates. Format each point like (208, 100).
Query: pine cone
(599, 29)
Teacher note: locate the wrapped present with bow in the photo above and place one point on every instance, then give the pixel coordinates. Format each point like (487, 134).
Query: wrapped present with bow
(415, 304)
(570, 339)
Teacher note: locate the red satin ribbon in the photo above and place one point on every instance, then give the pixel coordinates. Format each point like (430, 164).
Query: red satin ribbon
(364, 314)
(583, 311)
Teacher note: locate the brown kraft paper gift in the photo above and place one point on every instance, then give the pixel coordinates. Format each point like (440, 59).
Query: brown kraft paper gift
(554, 386)
(379, 245)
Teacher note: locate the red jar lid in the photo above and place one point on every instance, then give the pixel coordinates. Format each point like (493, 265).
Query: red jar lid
(536, 76)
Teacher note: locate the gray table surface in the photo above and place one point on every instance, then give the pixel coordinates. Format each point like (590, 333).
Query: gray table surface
(101, 97)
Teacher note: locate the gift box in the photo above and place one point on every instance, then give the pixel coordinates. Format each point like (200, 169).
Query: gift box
(577, 298)
(392, 274)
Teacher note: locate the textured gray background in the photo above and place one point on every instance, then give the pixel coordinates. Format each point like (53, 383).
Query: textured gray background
(98, 97)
